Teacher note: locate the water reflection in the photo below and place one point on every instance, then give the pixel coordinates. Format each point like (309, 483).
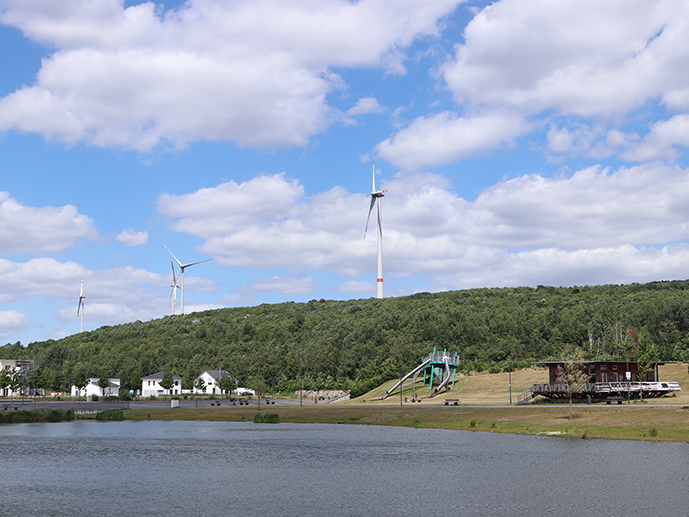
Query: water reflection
(182, 468)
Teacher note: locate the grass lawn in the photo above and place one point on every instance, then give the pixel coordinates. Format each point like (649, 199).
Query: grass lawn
(647, 420)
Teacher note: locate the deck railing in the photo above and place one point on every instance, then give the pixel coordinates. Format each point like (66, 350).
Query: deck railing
(603, 388)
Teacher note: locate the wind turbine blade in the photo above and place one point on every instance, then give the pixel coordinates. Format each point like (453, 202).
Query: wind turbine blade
(370, 209)
(173, 256)
(374, 175)
(199, 262)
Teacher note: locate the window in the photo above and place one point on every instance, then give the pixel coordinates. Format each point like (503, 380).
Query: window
(614, 367)
(603, 366)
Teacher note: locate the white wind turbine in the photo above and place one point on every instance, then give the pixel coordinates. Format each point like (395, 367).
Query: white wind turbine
(80, 307)
(375, 196)
(182, 267)
(173, 293)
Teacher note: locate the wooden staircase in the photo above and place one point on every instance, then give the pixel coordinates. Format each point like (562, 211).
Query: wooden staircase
(526, 396)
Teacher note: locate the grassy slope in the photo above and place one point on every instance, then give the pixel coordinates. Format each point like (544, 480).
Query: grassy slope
(638, 421)
(493, 388)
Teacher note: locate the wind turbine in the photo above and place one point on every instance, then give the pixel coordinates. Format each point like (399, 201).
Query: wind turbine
(174, 286)
(80, 307)
(182, 267)
(375, 196)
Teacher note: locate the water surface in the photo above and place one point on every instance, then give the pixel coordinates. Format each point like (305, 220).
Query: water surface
(220, 468)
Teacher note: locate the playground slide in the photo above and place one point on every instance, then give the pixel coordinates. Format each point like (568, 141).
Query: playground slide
(415, 370)
(446, 360)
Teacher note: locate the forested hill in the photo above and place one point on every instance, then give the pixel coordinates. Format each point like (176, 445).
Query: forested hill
(359, 343)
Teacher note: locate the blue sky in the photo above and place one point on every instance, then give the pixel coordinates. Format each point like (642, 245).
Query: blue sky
(521, 142)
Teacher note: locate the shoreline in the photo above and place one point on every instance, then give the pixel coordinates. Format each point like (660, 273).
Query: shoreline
(633, 422)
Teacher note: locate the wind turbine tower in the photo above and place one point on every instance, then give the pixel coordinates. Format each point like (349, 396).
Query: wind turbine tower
(80, 307)
(173, 294)
(376, 195)
(182, 267)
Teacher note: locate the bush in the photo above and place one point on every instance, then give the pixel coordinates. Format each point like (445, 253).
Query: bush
(259, 418)
(116, 415)
(19, 417)
(125, 395)
(272, 418)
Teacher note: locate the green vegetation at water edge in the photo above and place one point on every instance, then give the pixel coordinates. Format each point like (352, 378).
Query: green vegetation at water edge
(21, 417)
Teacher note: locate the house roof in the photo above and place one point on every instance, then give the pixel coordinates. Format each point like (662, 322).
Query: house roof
(113, 382)
(216, 374)
(159, 375)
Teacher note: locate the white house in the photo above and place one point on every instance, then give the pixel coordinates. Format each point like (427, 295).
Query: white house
(92, 388)
(211, 380)
(150, 385)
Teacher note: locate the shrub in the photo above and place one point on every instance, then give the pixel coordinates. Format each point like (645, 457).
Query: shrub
(272, 418)
(113, 414)
(259, 418)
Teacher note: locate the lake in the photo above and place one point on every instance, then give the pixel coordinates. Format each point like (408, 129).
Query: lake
(219, 468)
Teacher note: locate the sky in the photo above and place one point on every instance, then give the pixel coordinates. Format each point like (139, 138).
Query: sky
(519, 142)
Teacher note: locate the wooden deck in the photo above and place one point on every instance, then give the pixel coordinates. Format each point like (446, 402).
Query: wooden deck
(600, 390)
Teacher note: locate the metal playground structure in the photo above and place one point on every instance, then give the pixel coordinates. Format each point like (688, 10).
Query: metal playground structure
(440, 366)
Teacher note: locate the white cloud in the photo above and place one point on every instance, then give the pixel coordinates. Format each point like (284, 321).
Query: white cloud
(584, 66)
(289, 286)
(40, 230)
(444, 138)
(579, 57)
(661, 141)
(562, 227)
(357, 287)
(365, 106)
(255, 73)
(112, 296)
(130, 237)
(267, 222)
(12, 321)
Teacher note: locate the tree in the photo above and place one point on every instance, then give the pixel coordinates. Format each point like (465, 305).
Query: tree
(200, 385)
(80, 381)
(36, 379)
(57, 381)
(5, 380)
(167, 382)
(646, 358)
(103, 384)
(16, 380)
(259, 385)
(573, 376)
(227, 384)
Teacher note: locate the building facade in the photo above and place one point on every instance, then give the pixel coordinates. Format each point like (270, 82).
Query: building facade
(211, 382)
(150, 385)
(92, 388)
(17, 367)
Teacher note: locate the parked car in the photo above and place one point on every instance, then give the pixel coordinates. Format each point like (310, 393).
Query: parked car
(244, 392)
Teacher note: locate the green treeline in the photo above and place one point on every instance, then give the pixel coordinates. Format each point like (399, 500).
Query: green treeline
(357, 344)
